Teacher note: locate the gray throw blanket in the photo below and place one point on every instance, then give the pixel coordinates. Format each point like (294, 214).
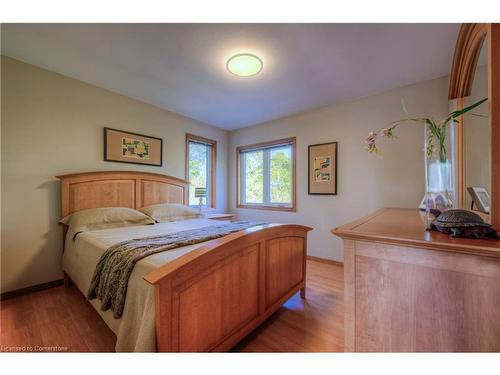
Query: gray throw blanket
(110, 280)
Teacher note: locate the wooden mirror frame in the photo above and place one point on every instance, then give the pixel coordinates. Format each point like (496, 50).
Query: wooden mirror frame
(470, 40)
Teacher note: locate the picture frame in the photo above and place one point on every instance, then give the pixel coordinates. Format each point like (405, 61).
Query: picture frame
(480, 198)
(122, 146)
(322, 168)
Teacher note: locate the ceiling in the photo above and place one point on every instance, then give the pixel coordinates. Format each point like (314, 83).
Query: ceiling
(181, 67)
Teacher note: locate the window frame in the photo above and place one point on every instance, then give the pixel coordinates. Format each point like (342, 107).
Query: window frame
(260, 146)
(213, 165)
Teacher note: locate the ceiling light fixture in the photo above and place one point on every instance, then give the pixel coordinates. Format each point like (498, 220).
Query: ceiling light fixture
(244, 65)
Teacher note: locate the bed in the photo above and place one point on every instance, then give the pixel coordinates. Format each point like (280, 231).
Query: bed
(197, 298)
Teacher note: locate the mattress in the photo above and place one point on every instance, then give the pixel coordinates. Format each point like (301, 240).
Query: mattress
(135, 330)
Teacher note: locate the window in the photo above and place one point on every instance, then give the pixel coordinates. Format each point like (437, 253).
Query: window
(200, 168)
(266, 175)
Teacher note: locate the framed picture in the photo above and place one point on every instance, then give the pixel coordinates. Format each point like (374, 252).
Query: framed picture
(322, 172)
(480, 198)
(125, 147)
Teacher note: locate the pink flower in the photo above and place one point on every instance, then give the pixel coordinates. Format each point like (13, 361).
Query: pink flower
(370, 142)
(387, 132)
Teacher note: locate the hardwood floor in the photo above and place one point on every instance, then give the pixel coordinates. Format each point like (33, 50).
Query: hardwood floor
(61, 319)
(315, 324)
(56, 317)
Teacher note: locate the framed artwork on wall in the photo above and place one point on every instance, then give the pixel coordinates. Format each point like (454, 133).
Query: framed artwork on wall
(322, 172)
(126, 147)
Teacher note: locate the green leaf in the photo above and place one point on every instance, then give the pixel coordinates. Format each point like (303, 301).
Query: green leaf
(460, 112)
(435, 130)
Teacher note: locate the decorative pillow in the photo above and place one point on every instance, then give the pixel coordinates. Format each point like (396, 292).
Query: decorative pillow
(103, 218)
(170, 212)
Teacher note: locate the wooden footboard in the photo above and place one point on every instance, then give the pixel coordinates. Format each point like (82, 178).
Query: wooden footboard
(210, 298)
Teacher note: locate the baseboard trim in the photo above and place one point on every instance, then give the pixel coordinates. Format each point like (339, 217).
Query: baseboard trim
(324, 260)
(30, 289)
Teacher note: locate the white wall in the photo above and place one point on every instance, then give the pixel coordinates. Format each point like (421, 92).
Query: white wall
(52, 125)
(365, 182)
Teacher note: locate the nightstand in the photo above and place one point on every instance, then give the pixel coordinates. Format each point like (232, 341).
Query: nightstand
(227, 217)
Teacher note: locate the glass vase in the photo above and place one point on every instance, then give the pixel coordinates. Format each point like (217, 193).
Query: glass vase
(439, 170)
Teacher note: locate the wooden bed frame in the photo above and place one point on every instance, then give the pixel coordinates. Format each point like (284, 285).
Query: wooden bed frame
(212, 297)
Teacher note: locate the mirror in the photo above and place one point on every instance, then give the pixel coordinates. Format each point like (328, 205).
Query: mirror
(477, 141)
(472, 37)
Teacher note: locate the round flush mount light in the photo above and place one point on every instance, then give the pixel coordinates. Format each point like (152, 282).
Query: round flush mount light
(244, 65)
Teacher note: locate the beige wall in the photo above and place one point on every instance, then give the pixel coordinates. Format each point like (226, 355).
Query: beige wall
(365, 182)
(53, 125)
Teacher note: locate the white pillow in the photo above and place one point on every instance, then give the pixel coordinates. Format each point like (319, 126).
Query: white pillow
(103, 218)
(170, 212)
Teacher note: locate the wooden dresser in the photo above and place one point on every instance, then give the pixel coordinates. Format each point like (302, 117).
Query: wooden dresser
(411, 290)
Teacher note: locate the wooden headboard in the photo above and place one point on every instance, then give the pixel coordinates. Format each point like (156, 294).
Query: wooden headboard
(80, 191)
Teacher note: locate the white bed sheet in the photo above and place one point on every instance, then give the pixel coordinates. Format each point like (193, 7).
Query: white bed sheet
(135, 330)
